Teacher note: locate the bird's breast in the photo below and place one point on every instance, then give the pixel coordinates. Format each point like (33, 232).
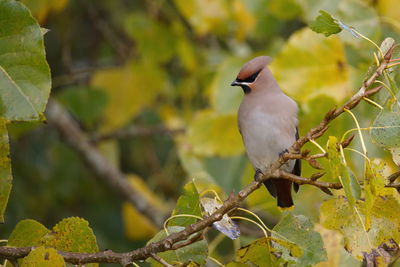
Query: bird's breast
(266, 135)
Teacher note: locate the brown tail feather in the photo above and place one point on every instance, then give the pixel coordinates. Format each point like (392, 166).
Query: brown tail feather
(283, 192)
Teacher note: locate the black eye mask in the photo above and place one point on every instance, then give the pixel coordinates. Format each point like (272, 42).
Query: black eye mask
(250, 79)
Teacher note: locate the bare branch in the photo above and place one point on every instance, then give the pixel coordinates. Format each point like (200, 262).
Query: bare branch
(136, 131)
(107, 172)
(160, 260)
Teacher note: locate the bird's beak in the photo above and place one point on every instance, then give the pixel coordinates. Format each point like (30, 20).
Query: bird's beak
(235, 83)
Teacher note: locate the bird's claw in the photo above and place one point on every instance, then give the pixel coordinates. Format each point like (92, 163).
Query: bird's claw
(257, 175)
(283, 152)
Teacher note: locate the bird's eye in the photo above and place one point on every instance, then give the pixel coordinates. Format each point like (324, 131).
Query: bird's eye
(252, 78)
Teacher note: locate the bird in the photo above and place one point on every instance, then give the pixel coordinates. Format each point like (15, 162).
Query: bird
(268, 124)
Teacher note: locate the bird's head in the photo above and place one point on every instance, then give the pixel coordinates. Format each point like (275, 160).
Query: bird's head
(249, 73)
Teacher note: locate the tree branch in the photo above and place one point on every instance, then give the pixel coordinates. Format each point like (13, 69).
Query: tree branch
(136, 131)
(71, 133)
(172, 241)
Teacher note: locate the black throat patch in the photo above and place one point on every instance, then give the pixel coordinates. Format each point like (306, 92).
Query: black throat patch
(246, 89)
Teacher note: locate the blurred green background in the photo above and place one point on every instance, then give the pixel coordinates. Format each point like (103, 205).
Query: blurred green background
(163, 68)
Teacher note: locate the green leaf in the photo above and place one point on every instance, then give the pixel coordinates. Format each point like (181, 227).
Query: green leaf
(325, 24)
(351, 187)
(338, 214)
(24, 74)
(224, 98)
(298, 229)
(85, 103)
(188, 203)
(145, 30)
(229, 177)
(335, 163)
(362, 17)
(196, 252)
(257, 252)
(340, 171)
(72, 234)
(5, 169)
(311, 8)
(27, 233)
(43, 257)
(386, 129)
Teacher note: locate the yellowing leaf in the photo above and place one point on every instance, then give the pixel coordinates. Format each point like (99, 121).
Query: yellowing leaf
(211, 134)
(335, 165)
(284, 9)
(129, 88)
(333, 245)
(245, 19)
(27, 233)
(337, 214)
(311, 64)
(205, 15)
(298, 230)
(374, 185)
(43, 257)
(41, 8)
(389, 9)
(72, 234)
(258, 252)
(137, 226)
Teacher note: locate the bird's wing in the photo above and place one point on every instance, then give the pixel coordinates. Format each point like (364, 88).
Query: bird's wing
(297, 166)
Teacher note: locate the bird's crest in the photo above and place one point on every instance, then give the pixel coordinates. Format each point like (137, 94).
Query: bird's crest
(248, 73)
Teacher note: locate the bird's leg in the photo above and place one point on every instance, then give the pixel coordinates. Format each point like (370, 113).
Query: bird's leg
(283, 152)
(257, 175)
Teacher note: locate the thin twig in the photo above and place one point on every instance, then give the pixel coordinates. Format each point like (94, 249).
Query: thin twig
(160, 260)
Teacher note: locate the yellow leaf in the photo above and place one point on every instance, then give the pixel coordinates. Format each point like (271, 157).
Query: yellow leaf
(204, 15)
(211, 134)
(311, 64)
(130, 88)
(390, 9)
(171, 117)
(333, 245)
(41, 8)
(137, 226)
(245, 19)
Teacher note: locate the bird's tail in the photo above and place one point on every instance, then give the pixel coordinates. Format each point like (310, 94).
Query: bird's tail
(282, 190)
